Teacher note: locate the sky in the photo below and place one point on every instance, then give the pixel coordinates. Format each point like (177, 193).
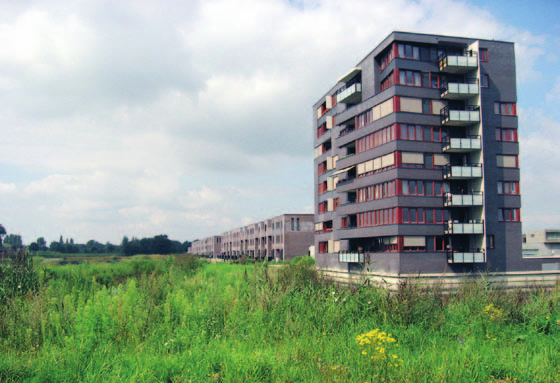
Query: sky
(190, 118)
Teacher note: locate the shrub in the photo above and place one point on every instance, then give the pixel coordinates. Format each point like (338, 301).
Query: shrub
(17, 275)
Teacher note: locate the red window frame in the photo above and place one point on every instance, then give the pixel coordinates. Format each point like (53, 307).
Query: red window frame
(508, 187)
(506, 135)
(508, 215)
(483, 54)
(505, 108)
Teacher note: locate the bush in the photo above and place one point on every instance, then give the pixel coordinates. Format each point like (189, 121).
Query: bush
(17, 274)
(303, 259)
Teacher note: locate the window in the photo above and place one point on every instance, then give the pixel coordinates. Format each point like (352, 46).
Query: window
(408, 77)
(292, 223)
(408, 51)
(483, 54)
(375, 139)
(377, 217)
(503, 161)
(363, 119)
(388, 82)
(322, 168)
(322, 208)
(503, 134)
(490, 243)
(374, 192)
(323, 247)
(297, 224)
(386, 58)
(420, 215)
(484, 81)
(508, 215)
(321, 130)
(505, 108)
(507, 187)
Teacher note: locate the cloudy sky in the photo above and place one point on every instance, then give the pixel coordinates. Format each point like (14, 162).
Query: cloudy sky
(190, 117)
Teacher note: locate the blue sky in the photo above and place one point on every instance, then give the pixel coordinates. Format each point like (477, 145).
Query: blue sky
(191, 118)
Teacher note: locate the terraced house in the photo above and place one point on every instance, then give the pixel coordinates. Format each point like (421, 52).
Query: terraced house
(279, 238)
(416, 160)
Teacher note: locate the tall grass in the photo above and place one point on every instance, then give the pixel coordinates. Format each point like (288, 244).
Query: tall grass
(177, 320)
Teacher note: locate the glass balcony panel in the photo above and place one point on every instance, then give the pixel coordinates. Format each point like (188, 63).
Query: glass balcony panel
(477, 200)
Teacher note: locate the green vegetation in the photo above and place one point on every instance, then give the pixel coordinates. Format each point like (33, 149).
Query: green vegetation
(179, 319)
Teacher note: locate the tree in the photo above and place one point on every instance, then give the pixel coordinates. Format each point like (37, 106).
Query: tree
(2, 232)
(42, 243)
(14, 241)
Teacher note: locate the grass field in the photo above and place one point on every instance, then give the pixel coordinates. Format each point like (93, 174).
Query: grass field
(176, 319)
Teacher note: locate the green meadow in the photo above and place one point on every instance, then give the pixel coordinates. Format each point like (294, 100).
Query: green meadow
(181, 319)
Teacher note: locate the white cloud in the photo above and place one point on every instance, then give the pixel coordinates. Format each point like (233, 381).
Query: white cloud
(185, 118)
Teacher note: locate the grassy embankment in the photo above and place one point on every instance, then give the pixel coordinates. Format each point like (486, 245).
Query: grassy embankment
(176, 319)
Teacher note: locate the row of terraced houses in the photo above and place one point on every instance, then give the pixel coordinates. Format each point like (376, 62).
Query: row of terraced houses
(279, 238)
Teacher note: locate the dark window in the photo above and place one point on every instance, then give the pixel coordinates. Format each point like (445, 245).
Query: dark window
(490, 241)
(426, 106)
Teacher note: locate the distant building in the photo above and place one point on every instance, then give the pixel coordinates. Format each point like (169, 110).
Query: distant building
(416, 161)
(279, 238)
(543, 244)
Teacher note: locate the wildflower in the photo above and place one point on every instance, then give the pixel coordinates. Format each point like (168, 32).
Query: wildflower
(333, 293)
(165, 344)
(19, 287)
(336, 300)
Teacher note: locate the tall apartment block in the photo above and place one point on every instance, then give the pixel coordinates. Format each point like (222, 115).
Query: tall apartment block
(279, 238)
(416, 160)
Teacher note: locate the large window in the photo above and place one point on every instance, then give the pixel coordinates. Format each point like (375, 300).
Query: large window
(363, 119)
(421, 133)
(377, 217)
(382, 136)
(508, 215)
(508, 187)
(424, 187)
(388, 81)
(420, 215)
(408, 51)
(505, 161)
(503, 134)
(505, 108)
(379, 191)
(408, 77)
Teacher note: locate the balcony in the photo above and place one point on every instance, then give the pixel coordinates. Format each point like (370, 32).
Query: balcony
(474, 199)
(458, 63)
(351, 95)
(345, 181)
(459, 91)
(473, 227)
(351, 257)
(466, 257)
(470, 115)
(462, 145)
(462, 172)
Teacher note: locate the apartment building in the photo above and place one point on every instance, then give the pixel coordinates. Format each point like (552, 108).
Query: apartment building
(279, 238)
(543, 244)
(209, 247)
(416, 160)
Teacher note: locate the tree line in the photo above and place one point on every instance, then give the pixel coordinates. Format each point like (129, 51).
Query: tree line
(159, 244)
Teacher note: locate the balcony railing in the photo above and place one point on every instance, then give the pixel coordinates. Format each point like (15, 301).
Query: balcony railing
(345, 181)
(462, 172)
(472, 199)
(472, 227)
(457, 145)
(475, 256)
(346, 130)
(459, 91)
(351, 257)
(456, 117)
(453, 63)
(351, 95)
